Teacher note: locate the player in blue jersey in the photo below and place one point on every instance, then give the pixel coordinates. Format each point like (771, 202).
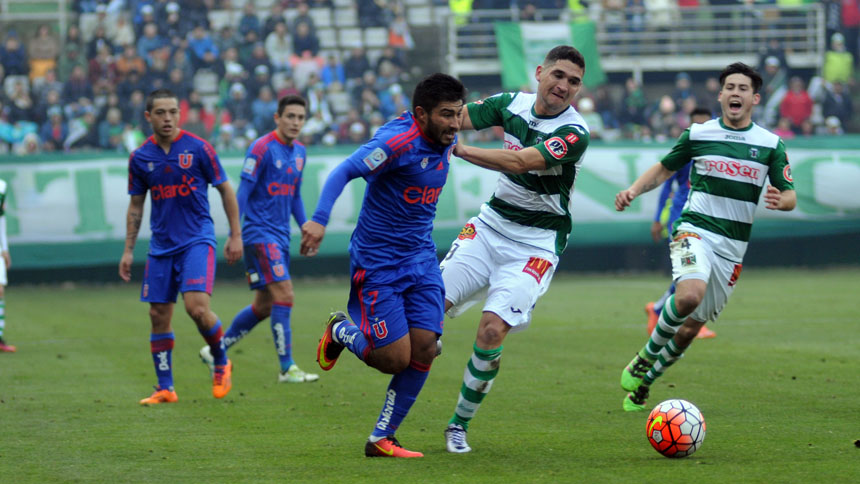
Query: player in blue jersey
(397, 296)
(678, 186)
(176, 168)
(269, 193)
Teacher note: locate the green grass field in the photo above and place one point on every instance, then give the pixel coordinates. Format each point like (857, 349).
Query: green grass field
(779, 388)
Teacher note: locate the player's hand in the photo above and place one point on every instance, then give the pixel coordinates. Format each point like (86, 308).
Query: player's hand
(772, 197)
(125, 266)
(459, 149)
(657, 232)
(233, 248)
(312, 235)
(623, 199)
(7, 258)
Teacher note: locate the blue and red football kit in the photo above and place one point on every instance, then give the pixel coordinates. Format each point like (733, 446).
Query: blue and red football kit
(269, 194)
(182, 249)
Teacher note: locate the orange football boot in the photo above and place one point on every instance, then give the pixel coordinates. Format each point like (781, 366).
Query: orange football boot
(388, 447)
(222, 380)
(160, 396)
(705, 333)
(652, 317)
(328, 351)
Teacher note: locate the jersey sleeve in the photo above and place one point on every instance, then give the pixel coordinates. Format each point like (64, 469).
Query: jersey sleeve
(253, 164)
(488, 112)
(211, 165)
(779, 171)
(136, 182)
(373, 158)
(567, 144)
(680, 154)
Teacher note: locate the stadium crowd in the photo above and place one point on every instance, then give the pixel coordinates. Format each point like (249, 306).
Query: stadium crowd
(87, 91)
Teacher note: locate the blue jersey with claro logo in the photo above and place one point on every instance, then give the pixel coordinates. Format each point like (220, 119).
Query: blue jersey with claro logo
(269, 191)
(178, 184)
(405, 172)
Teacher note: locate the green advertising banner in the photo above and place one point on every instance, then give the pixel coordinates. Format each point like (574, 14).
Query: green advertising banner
(70, 213)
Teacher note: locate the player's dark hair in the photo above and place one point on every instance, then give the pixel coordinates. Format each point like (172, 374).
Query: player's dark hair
(741, 68)
(436, 89)
(701, 111)
(159, 94)
(564, 52)
(291, 99)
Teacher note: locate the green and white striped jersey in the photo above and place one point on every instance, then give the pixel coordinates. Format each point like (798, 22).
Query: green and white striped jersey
(533, 208)
(729, 170)
(2, 197)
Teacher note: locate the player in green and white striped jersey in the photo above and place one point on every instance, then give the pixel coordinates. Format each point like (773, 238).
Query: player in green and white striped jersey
(512, 247)
(732, 158)
(5, 262)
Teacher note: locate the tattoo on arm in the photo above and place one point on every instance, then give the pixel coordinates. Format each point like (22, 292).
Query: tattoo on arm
(133, 221)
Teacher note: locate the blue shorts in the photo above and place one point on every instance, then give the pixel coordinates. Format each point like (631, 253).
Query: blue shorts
(386, 303)
(192, 269)
(265, 263)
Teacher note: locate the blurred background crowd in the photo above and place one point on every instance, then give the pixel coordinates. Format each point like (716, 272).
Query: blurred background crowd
(84, 88)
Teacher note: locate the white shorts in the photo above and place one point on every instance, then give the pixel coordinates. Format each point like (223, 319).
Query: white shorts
(511, 275)
(693, 258)
(3, 280)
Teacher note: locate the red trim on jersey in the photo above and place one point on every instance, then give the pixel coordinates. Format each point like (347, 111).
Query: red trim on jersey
(417, 365)
(210, 270)
(209, 150)
(399, 140)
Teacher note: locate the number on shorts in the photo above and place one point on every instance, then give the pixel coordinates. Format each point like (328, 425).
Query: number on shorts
(450, 253)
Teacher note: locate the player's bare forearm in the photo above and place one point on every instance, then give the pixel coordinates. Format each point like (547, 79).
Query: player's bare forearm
(231, 207)
(651, 179)
(508, 161)
(133, 221)
(785, 200)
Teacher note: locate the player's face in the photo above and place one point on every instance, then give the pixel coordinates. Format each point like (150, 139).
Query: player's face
(558, 84)
(443, 122)
(737, 100)
(164, 117)
(290, 122)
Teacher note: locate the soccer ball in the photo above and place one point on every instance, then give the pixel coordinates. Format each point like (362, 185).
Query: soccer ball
(675, 428)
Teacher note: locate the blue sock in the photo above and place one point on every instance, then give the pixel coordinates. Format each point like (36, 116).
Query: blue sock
(658, 306)
(401, 394)
(215, 337)
(161, 345)
(282, 334)
(348, 334)
(242, 324)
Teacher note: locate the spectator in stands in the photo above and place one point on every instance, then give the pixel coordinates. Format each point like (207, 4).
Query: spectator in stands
(775, 49)
(13, 56)
(20, 105)
(259, 80)
(833, 126)
(43, 103)
(263, 110)
(146, 16)
(99, 38)
(83, 131)
(305, 68)
(369, 101)
(49, 83)
(313, 129)
(120, 31)
(194, 124)
(249, 20)
(373, 13)
(227, 39)
(102, 67)
(180, 60)
(851, 26)
(54, 131)
(774, 78)
(85, 6)
(132, 82)
(149, 42)
(351, 128)
(796, 105)
(279, 48)
(130, 62)
(110, 131)
(159, 69)
(633, 105)
(394, 102)
(355, 66)
(174, 26)
(683, 88)
(276, 15)
(838, 62)
(338, 101)
(197, 12)
(286, 87)
(837, 103)
(832, 17)
(178, 83)
(663, 119)
(77, 86)
(783, 129)
(390, 55)
(256, 57)
(593, 119)
(132, 112)
(305, 40)
(42, 50)
(202, 49)
(399, 35)
(237, 104)
(333, 71)
(303, 16)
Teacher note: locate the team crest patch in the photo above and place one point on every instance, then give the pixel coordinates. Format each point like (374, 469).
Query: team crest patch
(537, 267)
(279, 163)
(424, 162)
(754, 153)
(150, 166)
(468, 232)
(250, 165)
(556, 146)
(185, 160)
(786, 173)
(300, 163)
(375, 158)
(279, 270)
(688, 260)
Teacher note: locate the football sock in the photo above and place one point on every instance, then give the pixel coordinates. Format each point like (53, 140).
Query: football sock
(669, 355)
(215, 337)
(2, 316)
(161, 345)
(666, 328)
(658, 306)
(481, 370)
(242, 324)
(348, 334)
(282, 334)
(401, 394)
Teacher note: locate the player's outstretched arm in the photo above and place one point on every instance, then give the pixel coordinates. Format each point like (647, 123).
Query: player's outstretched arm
(784, 200)
(497, 159)
(133, 218)
(233, 247)
(651, 179)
